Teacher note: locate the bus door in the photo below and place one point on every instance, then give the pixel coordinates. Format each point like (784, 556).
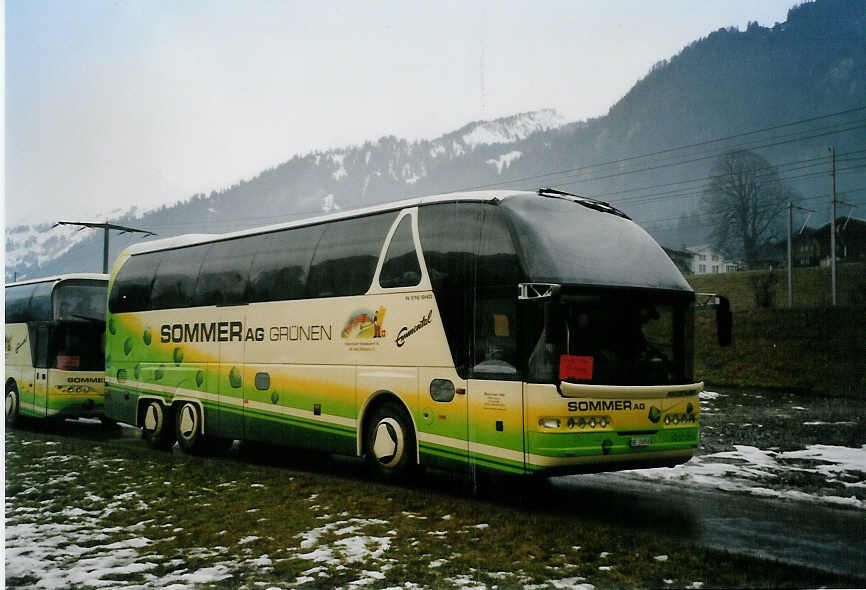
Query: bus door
(496, 440)
(39, 401)
(496, 425)
(442, 418)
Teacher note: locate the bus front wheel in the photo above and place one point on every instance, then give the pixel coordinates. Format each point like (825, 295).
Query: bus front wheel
(12, 406)
(157, 427)
(188, 427)
(390, 443)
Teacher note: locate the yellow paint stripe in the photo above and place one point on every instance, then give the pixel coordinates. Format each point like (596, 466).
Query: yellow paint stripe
(31, 407)
(477, 448)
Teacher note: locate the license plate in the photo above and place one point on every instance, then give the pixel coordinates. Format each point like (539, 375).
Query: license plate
(637, 443)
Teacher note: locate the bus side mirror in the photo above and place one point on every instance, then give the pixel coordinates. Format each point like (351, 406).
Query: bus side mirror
(724, 321)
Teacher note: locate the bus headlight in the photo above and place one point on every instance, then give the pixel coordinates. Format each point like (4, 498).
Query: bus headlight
(549, 422)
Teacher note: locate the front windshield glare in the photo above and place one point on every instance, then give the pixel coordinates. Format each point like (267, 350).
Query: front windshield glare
(615, 339)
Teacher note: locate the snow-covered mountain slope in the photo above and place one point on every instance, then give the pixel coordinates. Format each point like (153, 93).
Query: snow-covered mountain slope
(305, 185)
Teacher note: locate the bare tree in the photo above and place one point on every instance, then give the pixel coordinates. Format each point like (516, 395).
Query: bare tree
(744, 200)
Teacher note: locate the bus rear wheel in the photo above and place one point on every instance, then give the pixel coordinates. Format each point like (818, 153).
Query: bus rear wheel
(389, 443)
(12, 405)
(188, 427)
(157, 427)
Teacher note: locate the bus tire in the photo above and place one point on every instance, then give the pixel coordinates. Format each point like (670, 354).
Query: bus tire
(12, 405)
(188, 427)
(389, 443)
(157, 426)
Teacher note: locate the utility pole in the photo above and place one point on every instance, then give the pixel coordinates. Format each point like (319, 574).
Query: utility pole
(790, 258)
(833, 222)
(106, 227)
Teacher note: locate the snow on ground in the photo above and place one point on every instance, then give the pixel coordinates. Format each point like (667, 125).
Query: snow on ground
(761, 472)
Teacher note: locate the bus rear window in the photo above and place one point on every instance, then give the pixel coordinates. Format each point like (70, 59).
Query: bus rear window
(80, 301)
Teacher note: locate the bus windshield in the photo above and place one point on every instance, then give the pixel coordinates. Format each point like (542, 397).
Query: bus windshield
(615, 338)
(80, 300)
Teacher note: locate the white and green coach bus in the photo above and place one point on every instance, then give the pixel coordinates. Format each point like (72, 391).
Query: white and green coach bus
(55, 338)
(515, 331)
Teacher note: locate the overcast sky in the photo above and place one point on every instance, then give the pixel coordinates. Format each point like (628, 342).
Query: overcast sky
(114, 103)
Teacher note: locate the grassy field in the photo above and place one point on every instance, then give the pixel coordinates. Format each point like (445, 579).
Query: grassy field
(811, 347)
(108, 512)
(811, 286)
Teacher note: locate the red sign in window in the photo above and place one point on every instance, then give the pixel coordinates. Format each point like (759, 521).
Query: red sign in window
(575, 367)
(67, 362)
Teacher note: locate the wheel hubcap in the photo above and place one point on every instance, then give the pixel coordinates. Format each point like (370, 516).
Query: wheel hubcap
(388, 442)
(10, 403)
(152, 417)
(187, 422)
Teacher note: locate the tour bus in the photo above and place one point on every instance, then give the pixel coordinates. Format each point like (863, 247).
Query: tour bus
(521, 332)
(55, 339)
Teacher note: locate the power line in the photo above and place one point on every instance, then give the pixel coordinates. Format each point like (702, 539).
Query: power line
(672, 149)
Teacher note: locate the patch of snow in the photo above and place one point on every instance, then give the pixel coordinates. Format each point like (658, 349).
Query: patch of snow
(571, 584)
(338, 160)
(744, 467)
(504, 161)
(512, 129)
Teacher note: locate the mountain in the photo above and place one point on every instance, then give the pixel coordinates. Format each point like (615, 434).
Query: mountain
(788, 91)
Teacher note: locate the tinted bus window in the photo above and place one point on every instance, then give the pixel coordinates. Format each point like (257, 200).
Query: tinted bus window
(282, 263)
(80, 300)
(18, 303)
(449, 238)
(494, 350)
(401, 268)
(40, 302)
(225, 273)
(346, 256)
(131, 290)
(497, 257)
(174, 285)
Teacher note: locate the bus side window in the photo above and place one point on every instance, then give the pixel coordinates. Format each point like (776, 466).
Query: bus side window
(495, 347)
(174, 285)
(18, 303)
(40, 302)
(401, 268)
(449, 235)
(346, 256)
(282, 264)
(495, 350)
(225, 272)
(131, 290)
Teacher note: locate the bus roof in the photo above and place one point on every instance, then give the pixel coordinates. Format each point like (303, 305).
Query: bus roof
(92, 276)
(189, 239)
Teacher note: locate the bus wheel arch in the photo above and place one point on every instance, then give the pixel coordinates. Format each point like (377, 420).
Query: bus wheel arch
(12, 402)
(157, 423)
(388, 437)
